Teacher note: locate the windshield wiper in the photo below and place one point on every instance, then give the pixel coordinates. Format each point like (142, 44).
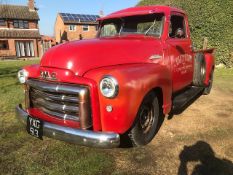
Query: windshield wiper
(150, 27)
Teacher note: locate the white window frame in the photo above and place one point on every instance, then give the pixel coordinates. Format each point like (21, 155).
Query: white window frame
(72, 27)
(84, 30)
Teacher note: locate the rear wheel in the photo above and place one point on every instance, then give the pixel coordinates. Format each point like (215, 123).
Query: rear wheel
(199, 74)
(147, 121)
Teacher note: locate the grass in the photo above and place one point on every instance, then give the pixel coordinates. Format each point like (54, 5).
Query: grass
(224, 79)
(22, 154)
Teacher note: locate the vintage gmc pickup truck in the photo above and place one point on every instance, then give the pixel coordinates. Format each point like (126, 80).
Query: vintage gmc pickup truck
(140, 68)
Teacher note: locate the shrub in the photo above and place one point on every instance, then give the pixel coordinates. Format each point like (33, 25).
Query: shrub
(207, 18)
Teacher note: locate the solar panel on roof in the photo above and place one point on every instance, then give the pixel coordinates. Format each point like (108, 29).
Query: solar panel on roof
(72, 17)
(79, 17)
(66, 19)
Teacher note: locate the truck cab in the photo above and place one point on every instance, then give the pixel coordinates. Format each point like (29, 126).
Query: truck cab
(139, 68)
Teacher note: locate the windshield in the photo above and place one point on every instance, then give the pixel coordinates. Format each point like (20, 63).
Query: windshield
(145, 24)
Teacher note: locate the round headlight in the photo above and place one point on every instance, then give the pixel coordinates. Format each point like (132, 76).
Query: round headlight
(109, 87)
(22, 76)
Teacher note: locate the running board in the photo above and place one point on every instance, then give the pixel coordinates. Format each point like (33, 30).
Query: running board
(182, 100)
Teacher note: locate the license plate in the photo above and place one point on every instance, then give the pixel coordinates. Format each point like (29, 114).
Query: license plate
(35, 127)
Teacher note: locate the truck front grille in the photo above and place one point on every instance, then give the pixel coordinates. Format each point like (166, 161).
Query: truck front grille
(63, 101)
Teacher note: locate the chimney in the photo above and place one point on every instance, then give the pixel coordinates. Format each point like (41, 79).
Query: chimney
(31, 5)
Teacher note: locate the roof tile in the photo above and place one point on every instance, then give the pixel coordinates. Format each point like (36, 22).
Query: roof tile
(17, 12)
(19, 34)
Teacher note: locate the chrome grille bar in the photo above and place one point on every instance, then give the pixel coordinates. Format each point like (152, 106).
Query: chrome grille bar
(49, 96)
(56, 107)
(60, 115)
(67, 102)
(57, 88)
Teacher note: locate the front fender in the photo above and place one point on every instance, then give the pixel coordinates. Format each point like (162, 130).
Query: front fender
(135, 81)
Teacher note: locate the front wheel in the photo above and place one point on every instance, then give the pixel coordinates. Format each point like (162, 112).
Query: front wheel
(147, 121)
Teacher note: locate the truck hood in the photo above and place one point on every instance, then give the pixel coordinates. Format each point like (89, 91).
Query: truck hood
(82, 56)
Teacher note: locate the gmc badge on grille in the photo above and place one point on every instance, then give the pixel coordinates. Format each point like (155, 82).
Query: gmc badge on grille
(48, 76)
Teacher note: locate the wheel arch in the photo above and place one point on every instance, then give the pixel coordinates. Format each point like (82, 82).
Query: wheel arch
(159, 92)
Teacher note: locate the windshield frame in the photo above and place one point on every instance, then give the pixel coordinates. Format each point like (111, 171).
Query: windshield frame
(119, 33)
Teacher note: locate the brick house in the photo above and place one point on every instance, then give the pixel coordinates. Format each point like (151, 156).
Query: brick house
(70, 27)
(46, 43)
(19, 31)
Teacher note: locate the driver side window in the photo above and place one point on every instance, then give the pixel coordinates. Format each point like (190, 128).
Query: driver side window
(177, 27)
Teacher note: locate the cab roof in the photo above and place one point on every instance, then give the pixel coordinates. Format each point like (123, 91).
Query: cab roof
(142, 10)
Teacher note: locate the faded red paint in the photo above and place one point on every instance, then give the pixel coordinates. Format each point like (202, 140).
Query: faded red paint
(127, 59)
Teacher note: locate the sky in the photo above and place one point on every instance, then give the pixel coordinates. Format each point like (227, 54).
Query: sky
(48, 9)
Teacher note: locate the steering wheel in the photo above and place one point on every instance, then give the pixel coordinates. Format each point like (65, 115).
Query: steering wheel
(179, 33)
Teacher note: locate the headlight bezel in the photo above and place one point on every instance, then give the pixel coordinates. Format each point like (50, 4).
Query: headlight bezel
(113, 83)
(22, 76)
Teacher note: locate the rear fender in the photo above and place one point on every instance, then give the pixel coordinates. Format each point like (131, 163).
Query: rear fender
(135, 81)
(210, 64)
(209, 67)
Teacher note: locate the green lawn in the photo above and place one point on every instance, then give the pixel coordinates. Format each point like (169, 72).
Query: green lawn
(224, 79)
(22, 154)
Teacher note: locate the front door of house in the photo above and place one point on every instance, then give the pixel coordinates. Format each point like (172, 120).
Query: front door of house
(25, 48)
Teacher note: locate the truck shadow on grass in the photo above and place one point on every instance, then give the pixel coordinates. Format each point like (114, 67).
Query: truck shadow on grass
(208, 163)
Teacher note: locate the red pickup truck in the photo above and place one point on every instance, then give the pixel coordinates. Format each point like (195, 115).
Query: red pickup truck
(139, 68)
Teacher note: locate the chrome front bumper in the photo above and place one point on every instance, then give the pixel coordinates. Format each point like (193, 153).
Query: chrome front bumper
(75, 136)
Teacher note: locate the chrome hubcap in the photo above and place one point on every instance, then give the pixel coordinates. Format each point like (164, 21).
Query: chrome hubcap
(146, 119)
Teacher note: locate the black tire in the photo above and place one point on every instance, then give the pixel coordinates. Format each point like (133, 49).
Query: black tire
(199, 73)
(207, 90)
(147, 121)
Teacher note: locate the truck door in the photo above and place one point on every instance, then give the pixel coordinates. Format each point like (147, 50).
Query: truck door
(180, 51)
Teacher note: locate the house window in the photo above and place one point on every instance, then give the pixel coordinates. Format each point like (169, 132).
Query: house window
(72, 28)
(25, 48)
(2, 22)
(26, 25)
(85, 28)
(21, 24)
(4, 45)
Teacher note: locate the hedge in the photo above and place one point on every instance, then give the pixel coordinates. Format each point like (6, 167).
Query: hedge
(207, 18)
